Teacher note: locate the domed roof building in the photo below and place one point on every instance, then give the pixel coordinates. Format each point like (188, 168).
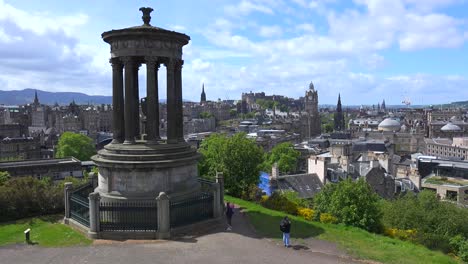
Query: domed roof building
(450, 127)
(389, 124)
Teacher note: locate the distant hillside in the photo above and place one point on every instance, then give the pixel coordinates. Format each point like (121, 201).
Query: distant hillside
(26, 96)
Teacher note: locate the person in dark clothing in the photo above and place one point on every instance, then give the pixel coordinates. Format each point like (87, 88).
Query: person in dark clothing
(229, 213)
(285, 227)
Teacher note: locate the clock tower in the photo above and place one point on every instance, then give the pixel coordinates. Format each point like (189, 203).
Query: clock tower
(311, 117)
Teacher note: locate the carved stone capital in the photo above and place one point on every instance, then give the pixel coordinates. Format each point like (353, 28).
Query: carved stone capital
(152, 62)
(179, 64)
(170, 64)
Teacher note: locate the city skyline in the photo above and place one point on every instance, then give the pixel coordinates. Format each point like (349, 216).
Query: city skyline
(411, 49)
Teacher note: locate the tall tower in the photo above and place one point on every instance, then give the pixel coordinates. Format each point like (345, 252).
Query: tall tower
(311, 119)
(203, 95)
(339, 117)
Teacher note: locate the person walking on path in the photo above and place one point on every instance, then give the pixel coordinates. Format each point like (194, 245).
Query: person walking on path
(229, 213)
(285, 227)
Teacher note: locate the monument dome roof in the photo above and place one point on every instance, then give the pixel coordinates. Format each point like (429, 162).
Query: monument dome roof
(389, 124)
(450, 127)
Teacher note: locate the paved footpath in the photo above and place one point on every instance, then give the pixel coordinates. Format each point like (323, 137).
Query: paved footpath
(241, 245)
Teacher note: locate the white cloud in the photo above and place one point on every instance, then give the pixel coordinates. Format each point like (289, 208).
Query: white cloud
(246, 7)
(41, 23)
(270, 31)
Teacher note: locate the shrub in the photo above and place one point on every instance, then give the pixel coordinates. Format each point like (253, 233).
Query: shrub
(253, 193)
(435, 221)
(328, 218)
(460, 247)
(307, 213)
(28, 196)
(279, 202)
(299, 202)
(409, 234)
(353, 203)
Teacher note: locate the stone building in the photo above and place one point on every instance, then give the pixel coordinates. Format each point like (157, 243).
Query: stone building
(57, 169)
(20, 148)
(310, 119)
(12, 131)
(447, 148)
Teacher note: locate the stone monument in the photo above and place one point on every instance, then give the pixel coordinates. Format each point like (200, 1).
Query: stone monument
(137, 166)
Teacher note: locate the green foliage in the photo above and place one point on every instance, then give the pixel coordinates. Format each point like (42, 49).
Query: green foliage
(28, 196)
(460, 247)
(75, 145)
(354, 203)
(327, 128)
(233, 113)
(206, 115)
(4, 177)
(435, 221)
(299, 202)
(238, 157)
(279, 202)
(286, 157)
(327, 218)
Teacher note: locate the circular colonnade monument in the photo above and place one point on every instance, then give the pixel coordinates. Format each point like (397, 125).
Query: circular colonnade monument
(137, 166)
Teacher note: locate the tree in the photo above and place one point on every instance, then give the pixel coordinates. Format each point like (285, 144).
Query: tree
(75, 145)
(238, 157)
(286, 157)
(354, 203)
(206, 115)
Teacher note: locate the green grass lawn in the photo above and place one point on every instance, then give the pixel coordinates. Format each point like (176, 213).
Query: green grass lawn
(46, 231)
(357, 242)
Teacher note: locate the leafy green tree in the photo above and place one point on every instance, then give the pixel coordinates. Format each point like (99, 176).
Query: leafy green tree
(354, 203)
(75, 145)
(206, 115)
(4, 177)
(286, 157)
(238, 157)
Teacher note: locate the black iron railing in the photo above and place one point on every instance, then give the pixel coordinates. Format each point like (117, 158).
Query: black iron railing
(79, 204)
(191, 210)
(206, 185)
(137, 216)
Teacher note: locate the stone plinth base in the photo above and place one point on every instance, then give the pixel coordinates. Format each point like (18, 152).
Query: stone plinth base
(141, 171)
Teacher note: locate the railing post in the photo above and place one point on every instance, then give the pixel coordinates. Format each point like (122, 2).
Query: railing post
(217, 209)
(220, 181)
(164, 221)
(67, 189)
(92, 176)
(94, 199)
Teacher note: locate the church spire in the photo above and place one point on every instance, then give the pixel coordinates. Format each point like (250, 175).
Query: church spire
(338, 105)
(203, 95)
(339, 116)
(36, 100)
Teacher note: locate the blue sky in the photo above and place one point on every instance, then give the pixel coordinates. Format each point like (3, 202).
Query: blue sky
(367, 50)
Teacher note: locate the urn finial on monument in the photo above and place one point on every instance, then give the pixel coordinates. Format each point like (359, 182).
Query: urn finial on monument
(146, 15)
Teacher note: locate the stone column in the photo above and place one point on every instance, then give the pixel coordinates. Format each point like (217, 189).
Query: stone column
(94, 220)
(136, 95)
(171, 103)
(130, 121)
(68, 189)
(152, 99)
(117, 101)
(220, 181)
(179, 102)
(164, 216)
